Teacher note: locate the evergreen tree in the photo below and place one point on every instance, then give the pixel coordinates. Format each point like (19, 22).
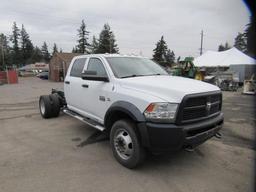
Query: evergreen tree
(74, 50)
(178, 59)
(83, 38)
(107, 42)
(26, 46)
(170, 57)
(45, 52)
(223, 47)
(227, 47)
(162, 54)
(250, 34)
(4, 51)
(240, 42)
(160, 51)
(37, 55)
(54, 49)
(94, 45)
(15, 41)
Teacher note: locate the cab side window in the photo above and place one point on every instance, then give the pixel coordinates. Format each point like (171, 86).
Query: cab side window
(96, 65)
(78, 67)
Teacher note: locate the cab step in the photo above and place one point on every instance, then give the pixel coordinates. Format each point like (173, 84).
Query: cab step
(86, 120)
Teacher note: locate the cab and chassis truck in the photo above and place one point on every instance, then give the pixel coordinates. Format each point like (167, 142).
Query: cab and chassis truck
(139, 106)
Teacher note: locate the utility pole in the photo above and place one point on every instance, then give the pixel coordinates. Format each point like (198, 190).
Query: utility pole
(202, 37)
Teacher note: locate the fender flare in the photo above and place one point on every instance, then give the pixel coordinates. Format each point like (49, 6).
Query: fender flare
(132, 111)
(126, 107)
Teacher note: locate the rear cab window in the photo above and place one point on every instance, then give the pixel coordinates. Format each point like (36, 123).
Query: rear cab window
(77, 68)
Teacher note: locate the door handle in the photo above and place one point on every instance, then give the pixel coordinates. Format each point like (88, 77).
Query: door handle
(85, 85)
(67, 82)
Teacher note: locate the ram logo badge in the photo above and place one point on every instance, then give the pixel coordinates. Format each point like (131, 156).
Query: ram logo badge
(208, 106)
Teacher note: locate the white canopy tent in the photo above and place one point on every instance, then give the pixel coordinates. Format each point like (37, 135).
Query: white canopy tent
(238, 62)
(223, 59)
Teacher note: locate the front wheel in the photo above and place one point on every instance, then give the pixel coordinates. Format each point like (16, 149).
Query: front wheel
(125, 144)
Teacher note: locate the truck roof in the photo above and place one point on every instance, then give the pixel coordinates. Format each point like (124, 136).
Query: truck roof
(110, 55)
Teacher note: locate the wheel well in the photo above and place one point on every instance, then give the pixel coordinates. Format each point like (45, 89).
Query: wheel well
(115, 116)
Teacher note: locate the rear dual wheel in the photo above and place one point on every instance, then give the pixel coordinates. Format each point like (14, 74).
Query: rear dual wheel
(49, 106)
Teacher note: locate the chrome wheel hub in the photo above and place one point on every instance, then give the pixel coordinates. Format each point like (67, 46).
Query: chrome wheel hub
(123, 144)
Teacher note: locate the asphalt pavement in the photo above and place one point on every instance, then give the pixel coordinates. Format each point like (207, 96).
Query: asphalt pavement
(63, 154)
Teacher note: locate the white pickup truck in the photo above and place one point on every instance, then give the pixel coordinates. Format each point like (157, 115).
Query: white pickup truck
(138, 104)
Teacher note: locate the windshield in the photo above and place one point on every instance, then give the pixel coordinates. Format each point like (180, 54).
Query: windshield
(124, 67)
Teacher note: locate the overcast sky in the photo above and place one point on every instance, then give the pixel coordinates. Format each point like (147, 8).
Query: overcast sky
(137, 24)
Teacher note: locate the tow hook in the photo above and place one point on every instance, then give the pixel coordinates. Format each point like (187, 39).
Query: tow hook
(218, 135)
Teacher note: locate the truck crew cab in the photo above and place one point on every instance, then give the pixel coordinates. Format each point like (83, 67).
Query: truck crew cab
(138, 104)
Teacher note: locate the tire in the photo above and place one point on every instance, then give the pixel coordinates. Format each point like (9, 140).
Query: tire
(125, 144)
(55, 105)
(45, 106)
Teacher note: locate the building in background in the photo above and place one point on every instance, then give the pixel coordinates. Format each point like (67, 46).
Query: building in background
(59, 65)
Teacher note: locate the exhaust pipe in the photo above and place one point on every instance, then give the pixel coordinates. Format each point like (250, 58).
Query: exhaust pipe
(218, 135)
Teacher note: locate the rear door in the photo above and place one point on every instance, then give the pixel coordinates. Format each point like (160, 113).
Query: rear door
(73, 85)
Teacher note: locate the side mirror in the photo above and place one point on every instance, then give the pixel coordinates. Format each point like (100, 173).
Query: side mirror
(92, 75)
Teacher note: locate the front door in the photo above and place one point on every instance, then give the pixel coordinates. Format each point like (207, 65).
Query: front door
(96, 91)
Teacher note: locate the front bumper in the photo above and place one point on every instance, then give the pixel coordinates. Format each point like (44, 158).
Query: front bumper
(171, 137)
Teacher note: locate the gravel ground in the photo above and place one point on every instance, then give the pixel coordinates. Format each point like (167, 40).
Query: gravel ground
(63, 154)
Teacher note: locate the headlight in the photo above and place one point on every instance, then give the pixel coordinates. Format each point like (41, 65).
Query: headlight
(161, 111)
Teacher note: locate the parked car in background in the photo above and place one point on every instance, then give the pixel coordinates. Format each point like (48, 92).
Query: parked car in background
(43, 75)
(24, 73)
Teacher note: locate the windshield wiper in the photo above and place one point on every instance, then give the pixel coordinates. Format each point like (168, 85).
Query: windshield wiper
(132, 76)
(128, 76)
(154, 74)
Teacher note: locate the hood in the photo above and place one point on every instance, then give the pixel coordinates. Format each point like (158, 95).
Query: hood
(168, 88)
